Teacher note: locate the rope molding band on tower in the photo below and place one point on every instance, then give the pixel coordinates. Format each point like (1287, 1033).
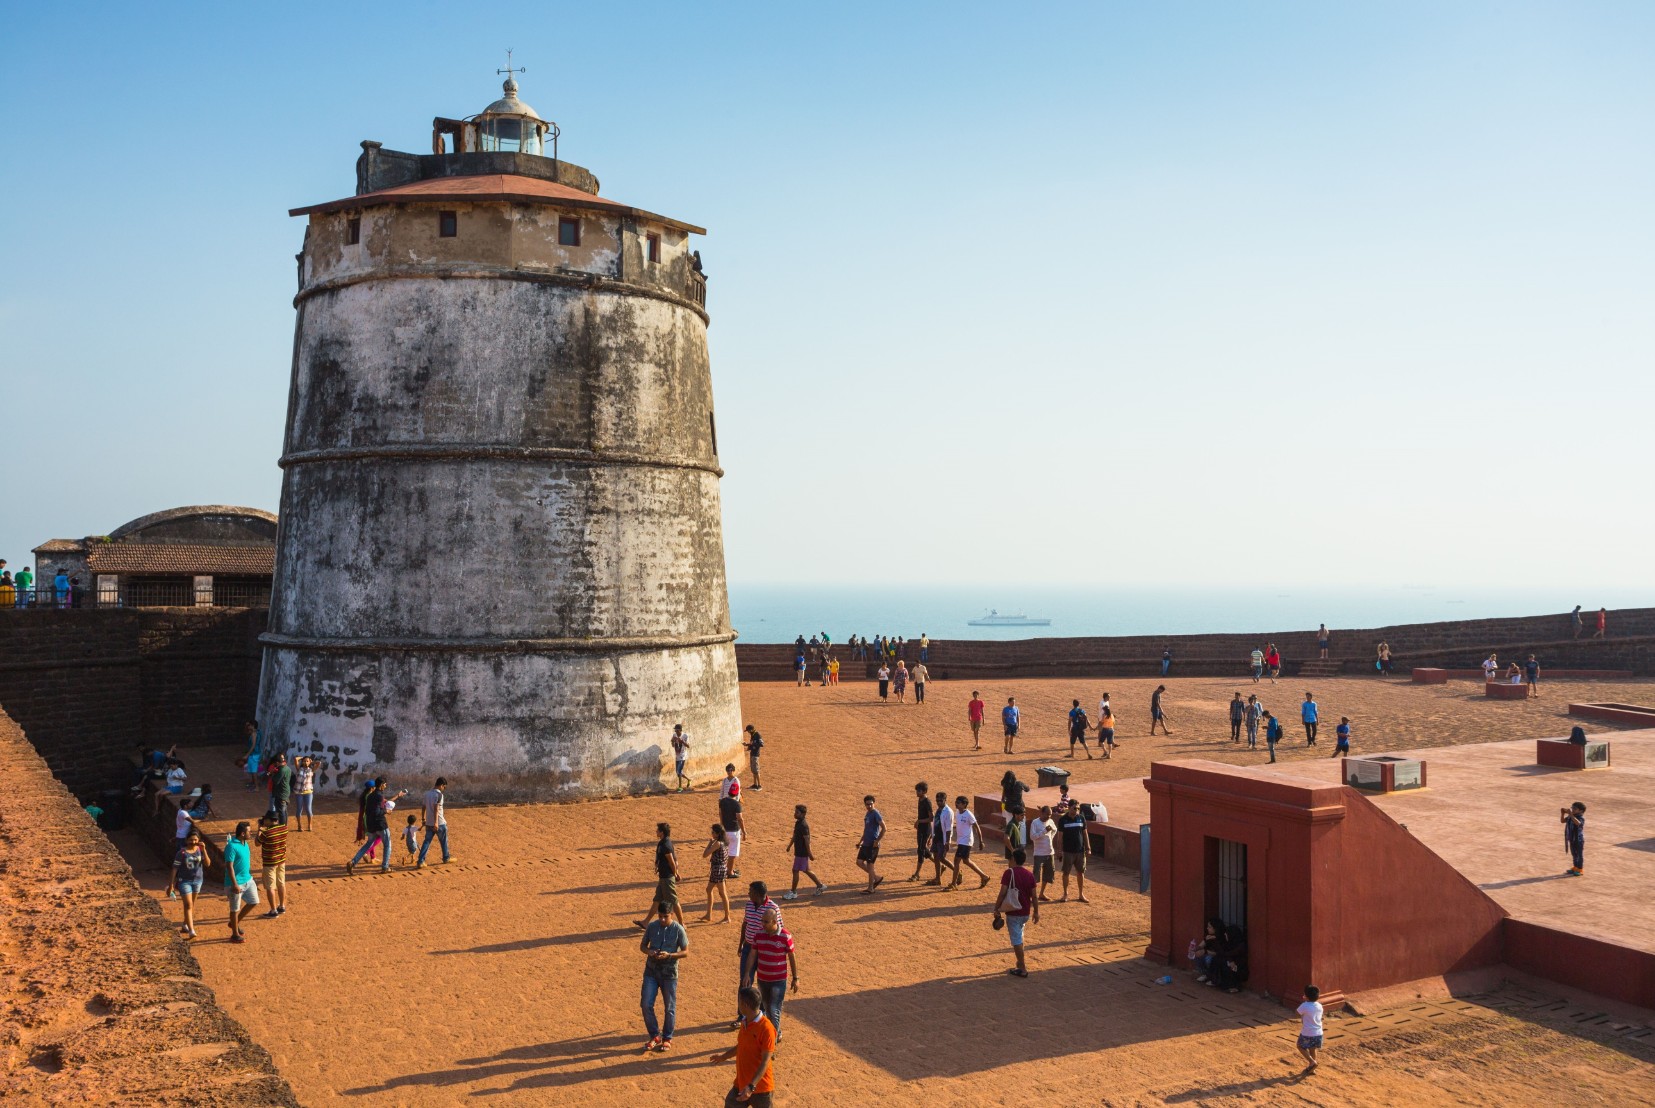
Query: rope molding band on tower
(498, 645)
(589, 281)
(475, 451)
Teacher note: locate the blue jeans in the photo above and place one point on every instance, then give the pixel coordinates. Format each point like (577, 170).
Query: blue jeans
(746, 978)
(440, 833)
(383, 838)
(1166, 664)
(771, 995)
(668, 990)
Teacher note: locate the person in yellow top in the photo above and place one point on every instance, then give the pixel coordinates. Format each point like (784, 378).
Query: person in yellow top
(8, 593)
(833, 670)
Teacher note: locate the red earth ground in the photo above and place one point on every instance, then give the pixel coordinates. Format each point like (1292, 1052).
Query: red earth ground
(512, 974)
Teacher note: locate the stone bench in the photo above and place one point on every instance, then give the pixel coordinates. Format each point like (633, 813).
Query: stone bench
(1563, 754)
(1505, 690)
(1427, 676)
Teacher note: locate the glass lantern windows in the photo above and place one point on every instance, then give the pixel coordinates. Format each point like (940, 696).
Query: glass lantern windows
(510, 134)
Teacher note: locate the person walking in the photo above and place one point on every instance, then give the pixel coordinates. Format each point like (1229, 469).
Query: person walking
(899, 679)
(1383, 650)
(1310, 1027)
(1010, 717)
(753, 744)
(680, 743)
(666, 877)
(924, 820)
(924, 647)
(755, 1048)
(1272, 733)
(1042, 833)
(729, 814)
(1238, 713)
(752, 922)
(664, 945)
(1531, 674)
(942, 834)
(436, 821)
(1255, 712)
(1323, 641)
(799, 844)
(799, 665)
(239, 885)
(189, 871)
(1574, 837)
(1603, 623)
(1256, 660)
(884, 683)
(1311, 715)
(920, 675)
(1272, 662)
(273, 856)
(1156, 714)
(716, 853)
(773, 956)
(1575, 621)
(1341, 737)
(1078, 726)
(867, 849)
(376, 823)
(974, 715)
(967, 837)
(1166, 661)
(1076, 847)
(1106, 728)
(1015, 907)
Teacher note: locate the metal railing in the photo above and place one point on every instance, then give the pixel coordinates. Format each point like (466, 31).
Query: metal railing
(141, 594)
(696, 289)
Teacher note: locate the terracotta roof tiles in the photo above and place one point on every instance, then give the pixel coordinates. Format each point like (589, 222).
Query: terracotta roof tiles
(177, 558)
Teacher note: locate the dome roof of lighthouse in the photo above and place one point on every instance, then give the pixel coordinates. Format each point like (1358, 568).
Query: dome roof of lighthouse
(509, 104)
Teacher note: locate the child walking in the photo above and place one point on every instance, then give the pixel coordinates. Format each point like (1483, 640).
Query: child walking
(1341, 735)
(799, 844)
(1574, 837)
(1310, 1027)
(408, 839)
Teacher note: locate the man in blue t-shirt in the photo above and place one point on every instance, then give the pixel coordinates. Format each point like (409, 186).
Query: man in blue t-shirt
(1010, 717)
(238, 879)
(867, 850)
(1311, 716)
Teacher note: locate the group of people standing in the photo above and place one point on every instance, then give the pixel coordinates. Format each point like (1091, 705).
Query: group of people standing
(885, 648)
(1251, 714)
(898, 679)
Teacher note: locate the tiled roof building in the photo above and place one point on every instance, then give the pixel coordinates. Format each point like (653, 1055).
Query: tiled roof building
(210, 554)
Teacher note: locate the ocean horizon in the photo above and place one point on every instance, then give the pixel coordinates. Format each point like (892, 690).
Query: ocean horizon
(774, 613)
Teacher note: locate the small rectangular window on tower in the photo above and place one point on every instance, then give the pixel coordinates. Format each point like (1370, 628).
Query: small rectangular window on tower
(353, 231)
(568, 231)
(448, 225)
(653, 244)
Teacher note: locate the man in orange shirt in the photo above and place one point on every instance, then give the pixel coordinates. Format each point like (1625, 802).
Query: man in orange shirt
(755, 1043)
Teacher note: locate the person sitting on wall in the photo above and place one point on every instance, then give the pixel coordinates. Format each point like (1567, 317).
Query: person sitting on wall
(1514, 675)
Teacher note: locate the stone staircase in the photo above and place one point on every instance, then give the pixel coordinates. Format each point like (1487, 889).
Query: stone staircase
(1333, 667)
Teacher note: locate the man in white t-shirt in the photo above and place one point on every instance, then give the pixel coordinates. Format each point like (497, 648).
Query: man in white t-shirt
(1257, 661)
(1310, 1027)
(1041, 830)
(1491, 666)
(967, 837)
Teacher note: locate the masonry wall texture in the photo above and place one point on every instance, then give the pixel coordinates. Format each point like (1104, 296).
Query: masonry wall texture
(89, 685)
(101, 1001)
(500, 556)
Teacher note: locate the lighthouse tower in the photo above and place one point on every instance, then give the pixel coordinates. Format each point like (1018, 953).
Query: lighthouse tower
(500, 557)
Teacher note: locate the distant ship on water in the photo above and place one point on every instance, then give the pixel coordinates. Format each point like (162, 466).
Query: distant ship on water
(995, 619)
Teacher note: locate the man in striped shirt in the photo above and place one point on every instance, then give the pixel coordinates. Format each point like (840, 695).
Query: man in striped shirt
(273, 848)
(771, 956)
(752, 922)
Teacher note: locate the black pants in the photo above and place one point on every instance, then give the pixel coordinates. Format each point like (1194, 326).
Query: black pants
(1235, 730)
(919, 692)
(757, 1100)
(1310, 731)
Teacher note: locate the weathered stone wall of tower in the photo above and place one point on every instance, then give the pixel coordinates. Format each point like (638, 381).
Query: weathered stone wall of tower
(500, 556)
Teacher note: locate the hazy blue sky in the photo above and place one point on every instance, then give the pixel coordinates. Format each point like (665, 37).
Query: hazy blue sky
(1312, 293)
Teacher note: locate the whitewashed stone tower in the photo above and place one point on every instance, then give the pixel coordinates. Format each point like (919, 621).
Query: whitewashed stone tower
(500, 556)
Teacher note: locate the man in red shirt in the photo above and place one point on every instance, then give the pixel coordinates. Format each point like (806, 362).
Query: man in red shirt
(1018, 906)
(974, 713)
(769, 957)
(755, 1082)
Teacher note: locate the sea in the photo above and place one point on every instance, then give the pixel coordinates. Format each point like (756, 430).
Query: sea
(773, 613)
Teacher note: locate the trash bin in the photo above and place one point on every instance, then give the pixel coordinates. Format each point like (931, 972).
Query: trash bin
(1050, 777)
